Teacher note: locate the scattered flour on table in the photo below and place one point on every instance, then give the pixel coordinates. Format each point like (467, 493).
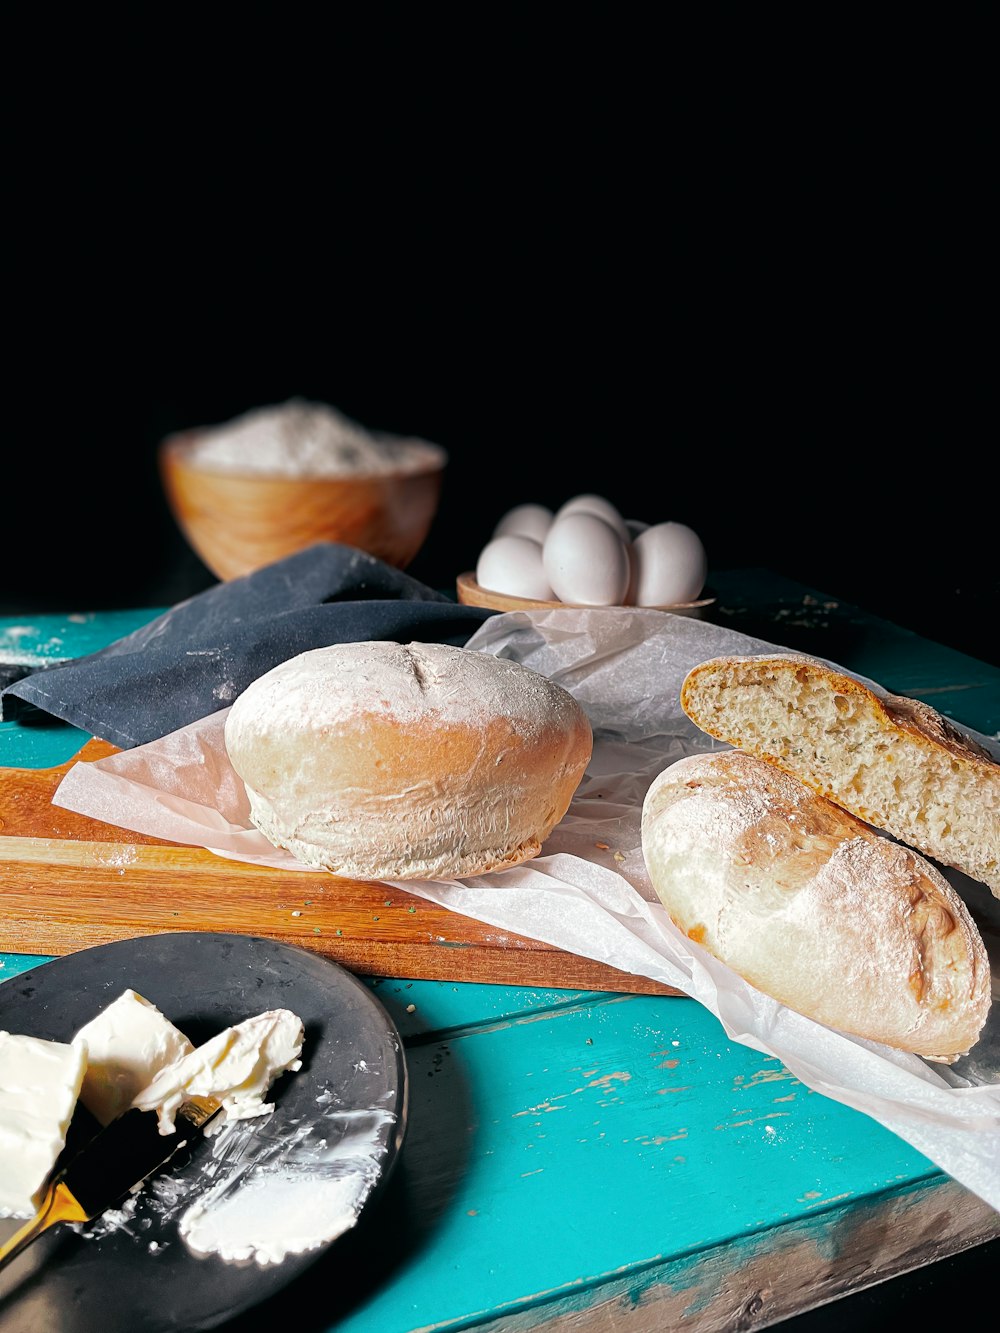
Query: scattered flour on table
(15, 649)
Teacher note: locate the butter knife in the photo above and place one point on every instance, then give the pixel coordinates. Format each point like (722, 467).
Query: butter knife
(113, 1163)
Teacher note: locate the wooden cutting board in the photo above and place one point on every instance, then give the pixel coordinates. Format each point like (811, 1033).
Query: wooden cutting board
(68, 882)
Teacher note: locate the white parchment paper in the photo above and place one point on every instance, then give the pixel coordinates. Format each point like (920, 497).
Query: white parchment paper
(590, 893)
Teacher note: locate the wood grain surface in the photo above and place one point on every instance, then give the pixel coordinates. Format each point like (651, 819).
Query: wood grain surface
(239, 522)
(471, 593)
(68, 882)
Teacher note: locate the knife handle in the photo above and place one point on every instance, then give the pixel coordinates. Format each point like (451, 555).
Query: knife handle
(58, 1205)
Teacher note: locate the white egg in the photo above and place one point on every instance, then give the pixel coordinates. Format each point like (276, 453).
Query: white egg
(670, 565)
(635, 526)
(586, 561)
(527, 520)
(596, 504)
(513, 565)
(633, 576)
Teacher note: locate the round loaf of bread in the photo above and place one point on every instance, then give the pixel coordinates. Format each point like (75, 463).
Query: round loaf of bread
(379, 760)
(813, 907)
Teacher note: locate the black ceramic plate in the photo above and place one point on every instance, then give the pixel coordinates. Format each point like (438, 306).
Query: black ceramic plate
(137, 1272)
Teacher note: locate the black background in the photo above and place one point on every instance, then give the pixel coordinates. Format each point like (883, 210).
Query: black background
(736, 272)
(736, 278)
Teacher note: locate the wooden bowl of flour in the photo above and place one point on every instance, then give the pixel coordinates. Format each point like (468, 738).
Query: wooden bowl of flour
(238, 521)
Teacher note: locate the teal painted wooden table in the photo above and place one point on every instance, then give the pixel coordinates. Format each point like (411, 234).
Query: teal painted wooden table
(596, 1161)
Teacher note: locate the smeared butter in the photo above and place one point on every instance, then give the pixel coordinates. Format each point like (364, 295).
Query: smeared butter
(39, 1085)
(237, 1066)
(128, 1043)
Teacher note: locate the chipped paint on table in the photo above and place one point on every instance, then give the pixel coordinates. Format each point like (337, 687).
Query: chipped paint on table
(590, 1162)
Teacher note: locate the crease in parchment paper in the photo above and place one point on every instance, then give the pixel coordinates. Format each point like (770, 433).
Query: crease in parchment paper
(589, 893)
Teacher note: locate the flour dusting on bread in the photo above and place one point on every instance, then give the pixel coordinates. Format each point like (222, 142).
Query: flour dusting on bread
(812, 907)
(378, 760)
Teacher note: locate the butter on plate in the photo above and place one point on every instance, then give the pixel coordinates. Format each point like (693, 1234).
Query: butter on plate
(137, 1057)
(128, 1055)
(237, 1066)
(128, 1043)
(39, 1086)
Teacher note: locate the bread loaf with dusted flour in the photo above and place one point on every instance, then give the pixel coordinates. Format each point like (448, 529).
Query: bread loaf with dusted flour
(813, 907)
(378, 760)
(892, 761)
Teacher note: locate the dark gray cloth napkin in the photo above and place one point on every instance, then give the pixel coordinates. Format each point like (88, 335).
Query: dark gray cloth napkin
(198, 656)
